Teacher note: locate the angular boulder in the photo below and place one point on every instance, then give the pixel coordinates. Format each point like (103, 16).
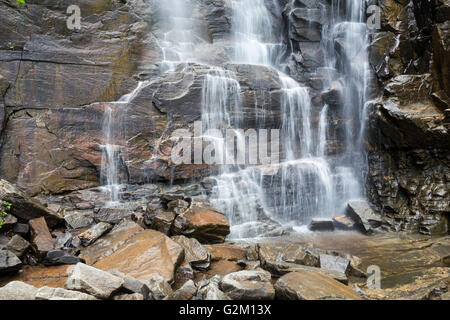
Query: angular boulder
(288, 252)
(209, 290)
(203, 223)
(132, 285)
(194, 253)
(92, 281)
(112, 215)
(9, 263)
(40, 236)
(79, 219)
(24, 207)
(321, 225)
(109, 243)
(163, 221)
(312, 285)
(335, 263)
(91, 235)
(17, 290)
(144, 254)
(18, 245)
(343, 222)
(186, 292)
(159, 288)
(60, 257)
(48, 293)
(248, 285)
(363, 215)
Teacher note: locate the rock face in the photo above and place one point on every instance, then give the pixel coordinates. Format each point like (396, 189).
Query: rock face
(93, 281)
(408, 128)
(310, 285)
(248, 285)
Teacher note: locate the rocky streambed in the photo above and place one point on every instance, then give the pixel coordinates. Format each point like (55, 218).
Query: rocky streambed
(177, 249)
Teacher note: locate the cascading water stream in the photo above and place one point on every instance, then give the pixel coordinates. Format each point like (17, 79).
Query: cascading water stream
(307, 183)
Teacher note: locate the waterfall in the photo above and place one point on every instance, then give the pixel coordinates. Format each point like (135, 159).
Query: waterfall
(308, 183)
(112, 156)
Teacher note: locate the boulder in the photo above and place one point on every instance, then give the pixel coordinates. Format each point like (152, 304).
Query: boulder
(40, 236)
(163, 221)
(8, 222)
(91, 235)
(60, 257)
(48, 293)
(17, 290)
(205, 224)
(24, 207)
(248, 285)
(321, 225)
(209, 290)
(132, 296)
(79, 219)
(335, 263)
(95, 282)
(363, 215)
(312, 285)
(186, 292)
(226, 252)
(194, 253)
(132, 285)
(108, 244)
(184, 273)
(343, 222)
(288, 252)
(159, 287)
(21, 229)
(18, 245)
(280, 268)
(9, 263)
(112, 215)
(144, 254)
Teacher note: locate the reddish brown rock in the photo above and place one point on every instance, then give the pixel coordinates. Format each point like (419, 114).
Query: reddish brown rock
(40, 236)
(204, 223)
(312, 285)
(146, 253)
(226, 252)
(108, 244)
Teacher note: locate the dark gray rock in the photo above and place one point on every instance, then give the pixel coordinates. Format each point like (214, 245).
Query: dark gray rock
(9, 263)
(112, 215)
(363, 215)
(18, 245)
(60, 257)
(321, 225)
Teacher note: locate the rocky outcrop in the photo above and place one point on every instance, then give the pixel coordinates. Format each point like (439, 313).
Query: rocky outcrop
(408, 127)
